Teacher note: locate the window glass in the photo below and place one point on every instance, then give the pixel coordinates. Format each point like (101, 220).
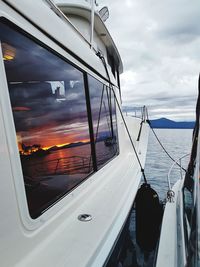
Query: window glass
(49, 108)
(104, 121)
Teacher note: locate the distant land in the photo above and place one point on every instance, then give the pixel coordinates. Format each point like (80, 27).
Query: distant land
(53, 148)
(166, 123)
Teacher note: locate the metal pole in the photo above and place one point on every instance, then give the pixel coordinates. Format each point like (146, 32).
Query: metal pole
(92, 24)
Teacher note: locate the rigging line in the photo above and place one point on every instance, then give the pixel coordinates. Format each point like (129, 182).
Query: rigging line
(148, 121)
(107, 119)
(99, 116)
(130, 138)
(121, 113)
(110, 110)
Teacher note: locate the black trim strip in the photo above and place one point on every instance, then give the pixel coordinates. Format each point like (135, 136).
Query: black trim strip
(89, 112)
(140, 130)
(118, 82)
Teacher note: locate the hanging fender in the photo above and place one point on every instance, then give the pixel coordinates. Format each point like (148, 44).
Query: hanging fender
(149, 212)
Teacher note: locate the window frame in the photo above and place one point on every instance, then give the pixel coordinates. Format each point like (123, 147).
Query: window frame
(111, 121)
(16, 167)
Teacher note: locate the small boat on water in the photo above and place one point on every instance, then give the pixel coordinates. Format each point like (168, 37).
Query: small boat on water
(71, 162)
(69, 174)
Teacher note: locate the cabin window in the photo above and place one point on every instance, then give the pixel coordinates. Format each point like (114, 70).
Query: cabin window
(48, 102)
(51, 100)
(104, 121)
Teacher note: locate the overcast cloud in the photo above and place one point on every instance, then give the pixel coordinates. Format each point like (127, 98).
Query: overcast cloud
(159, 42)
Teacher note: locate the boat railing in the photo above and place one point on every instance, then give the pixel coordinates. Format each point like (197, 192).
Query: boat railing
(137, 112)
(66, 165)
(178, 163)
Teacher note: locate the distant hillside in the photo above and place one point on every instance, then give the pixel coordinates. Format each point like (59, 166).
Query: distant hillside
(54, 148)
(165, 123)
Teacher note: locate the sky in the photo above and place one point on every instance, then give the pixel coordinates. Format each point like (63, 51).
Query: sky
(159, 43)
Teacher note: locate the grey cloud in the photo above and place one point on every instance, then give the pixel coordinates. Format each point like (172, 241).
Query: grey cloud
(159, 42)
(174, 19)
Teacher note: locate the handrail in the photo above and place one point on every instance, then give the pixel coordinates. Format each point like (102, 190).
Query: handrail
(171, 168)
(60, 14)
(79, 163)
(143, 112)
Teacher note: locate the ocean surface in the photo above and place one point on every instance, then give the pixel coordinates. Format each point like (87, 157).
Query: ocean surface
(178, 143)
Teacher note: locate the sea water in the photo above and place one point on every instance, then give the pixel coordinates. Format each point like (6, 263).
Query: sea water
(127, 252)
(178, 143)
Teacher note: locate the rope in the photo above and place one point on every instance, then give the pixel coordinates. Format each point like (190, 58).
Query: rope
(121, 113)
(130, 138)
(164, 149)
(148, 121)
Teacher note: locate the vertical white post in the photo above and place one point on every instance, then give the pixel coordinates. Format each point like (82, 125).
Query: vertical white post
(92, 23)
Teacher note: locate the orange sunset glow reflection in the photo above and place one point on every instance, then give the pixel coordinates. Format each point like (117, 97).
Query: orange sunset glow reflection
(42, 142)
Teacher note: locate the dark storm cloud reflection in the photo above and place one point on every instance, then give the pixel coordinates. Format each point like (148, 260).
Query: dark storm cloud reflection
(37, 76)
(42, 111)
(52, 68)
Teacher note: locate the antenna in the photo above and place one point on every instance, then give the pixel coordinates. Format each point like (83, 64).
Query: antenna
(104, 13)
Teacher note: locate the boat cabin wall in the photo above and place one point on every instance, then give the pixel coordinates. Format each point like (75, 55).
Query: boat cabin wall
(31, 85)
(84, 27)
(36, 102)
(64, 34)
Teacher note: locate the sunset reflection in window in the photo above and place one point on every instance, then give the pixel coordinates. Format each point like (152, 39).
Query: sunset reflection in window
(47, 96)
